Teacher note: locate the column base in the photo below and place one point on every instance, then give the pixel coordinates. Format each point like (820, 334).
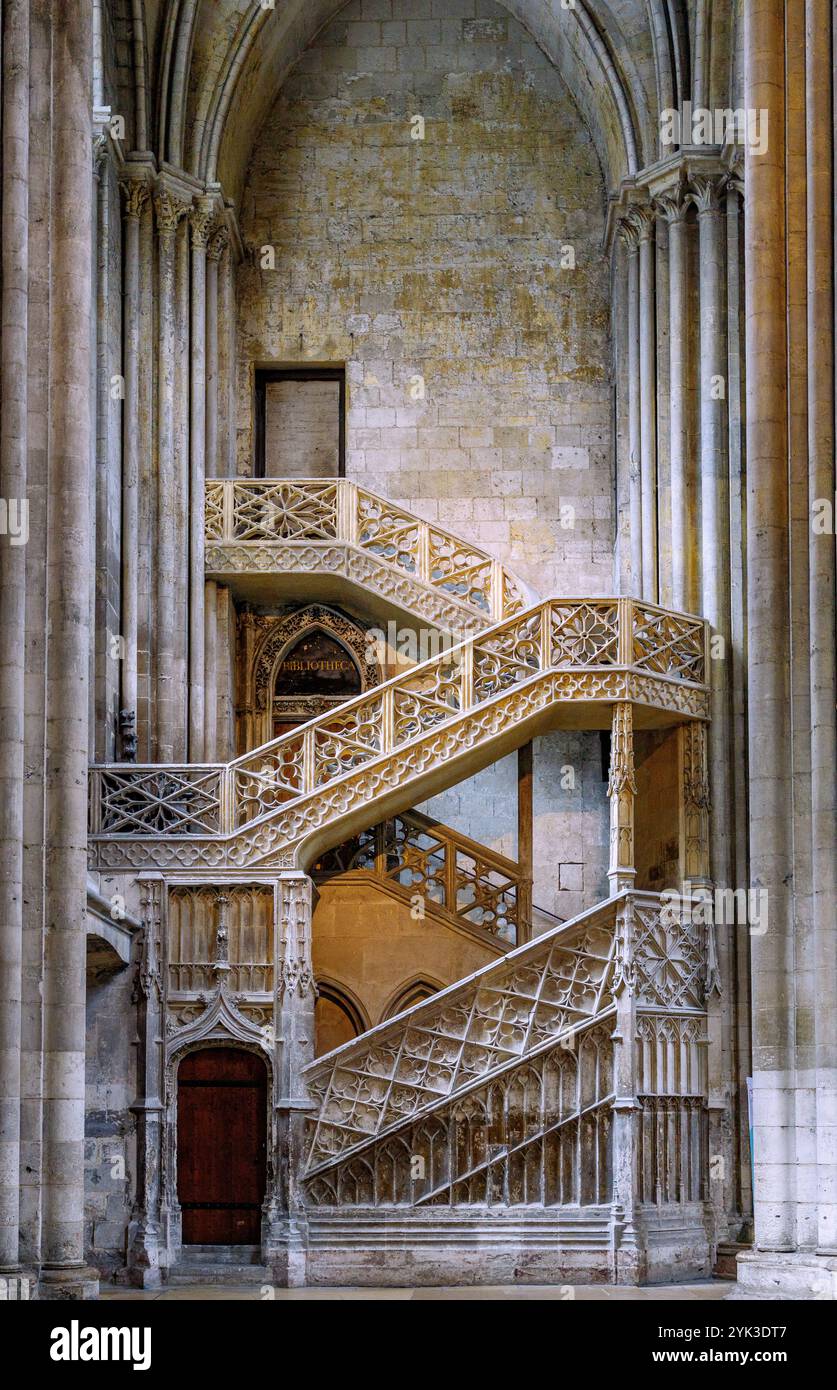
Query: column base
(797, 1274)
(144, 1266)
(76, 1282)
(17, 1284)
(628, 1263)
(287, 1254)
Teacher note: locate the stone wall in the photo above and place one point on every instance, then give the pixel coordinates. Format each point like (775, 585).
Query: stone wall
(367, 942)
(570, 819)
(438, 270)
(109, 1146)
(302, 434)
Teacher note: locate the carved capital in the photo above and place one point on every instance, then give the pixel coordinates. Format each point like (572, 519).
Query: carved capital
(672, 206)
(705, 192)
(135, 194)
(642, 220)
(201, 220)
(627, 230)
(217, 243)
(169, 210)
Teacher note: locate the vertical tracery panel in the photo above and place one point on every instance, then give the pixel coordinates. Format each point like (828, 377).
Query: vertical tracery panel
(231, 924)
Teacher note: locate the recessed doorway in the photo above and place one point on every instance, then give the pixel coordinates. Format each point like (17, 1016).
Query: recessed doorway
(221, 1146)
(300, 422)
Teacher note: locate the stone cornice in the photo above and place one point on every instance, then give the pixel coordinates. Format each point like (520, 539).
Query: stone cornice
(665, 179)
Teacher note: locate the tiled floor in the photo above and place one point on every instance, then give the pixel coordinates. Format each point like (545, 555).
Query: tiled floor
(712, 1290)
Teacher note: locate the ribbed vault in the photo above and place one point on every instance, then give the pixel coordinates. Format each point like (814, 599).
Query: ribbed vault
(221, 64)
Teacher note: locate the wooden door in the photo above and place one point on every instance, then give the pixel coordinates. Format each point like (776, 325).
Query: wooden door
(221, 1146)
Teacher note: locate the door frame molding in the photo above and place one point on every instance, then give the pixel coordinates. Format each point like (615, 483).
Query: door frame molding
(263, 376)
(227, 1046)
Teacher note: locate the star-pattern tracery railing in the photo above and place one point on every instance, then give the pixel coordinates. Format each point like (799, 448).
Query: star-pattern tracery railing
(264, 512)
(470, 695)
(467, 882)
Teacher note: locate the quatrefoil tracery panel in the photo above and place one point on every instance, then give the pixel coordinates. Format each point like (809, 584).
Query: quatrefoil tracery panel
(508, 656)
(343, 742)
(508, 1010)
(388, 532)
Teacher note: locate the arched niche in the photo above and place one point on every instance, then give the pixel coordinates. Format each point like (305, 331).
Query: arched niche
(338, 1017)
(297, 666)
(415, 991)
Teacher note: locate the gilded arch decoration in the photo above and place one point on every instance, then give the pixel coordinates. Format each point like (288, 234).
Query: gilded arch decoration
(264, 641)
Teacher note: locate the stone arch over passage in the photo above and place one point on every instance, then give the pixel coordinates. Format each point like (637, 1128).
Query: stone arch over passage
(221, 1145)
(339, 1016)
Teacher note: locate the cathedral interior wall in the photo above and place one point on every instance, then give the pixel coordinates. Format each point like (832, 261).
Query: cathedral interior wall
(435, 265)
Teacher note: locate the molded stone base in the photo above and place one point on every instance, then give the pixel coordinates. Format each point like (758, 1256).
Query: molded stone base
(795, 1275)
(70, 1282)
(571, 1246)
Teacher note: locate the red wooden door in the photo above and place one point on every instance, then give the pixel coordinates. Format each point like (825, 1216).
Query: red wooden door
(221, 1142)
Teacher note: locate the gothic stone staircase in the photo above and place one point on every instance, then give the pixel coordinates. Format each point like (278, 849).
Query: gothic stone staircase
(542, 1119)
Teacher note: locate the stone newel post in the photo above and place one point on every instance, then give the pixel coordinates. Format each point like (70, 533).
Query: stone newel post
(295, 997)
(627, 1253)
(621, 791)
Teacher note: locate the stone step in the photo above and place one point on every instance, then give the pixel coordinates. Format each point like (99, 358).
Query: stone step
(725, 1266)
(219, 1264)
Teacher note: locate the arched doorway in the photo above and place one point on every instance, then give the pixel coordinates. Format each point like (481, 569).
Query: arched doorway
(221, 1146)
(317, 671)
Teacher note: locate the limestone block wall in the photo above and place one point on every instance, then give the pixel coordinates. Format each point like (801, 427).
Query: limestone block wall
(440, 270)
(367, 942)
(301, 427)
(109, 1144)
(570, 819)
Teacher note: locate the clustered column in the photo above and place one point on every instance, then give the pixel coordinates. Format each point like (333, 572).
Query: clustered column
(68, 643)
(170, 700)
(13, 489)
(201, 222)
(136, 194)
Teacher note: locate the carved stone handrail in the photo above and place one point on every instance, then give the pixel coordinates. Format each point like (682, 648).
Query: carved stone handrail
(481, 695)
(456, 877)
(461, 1037)
(545, 998)
(259, 525)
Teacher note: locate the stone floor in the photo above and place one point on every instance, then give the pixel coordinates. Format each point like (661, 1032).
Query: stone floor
(709, 1291)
